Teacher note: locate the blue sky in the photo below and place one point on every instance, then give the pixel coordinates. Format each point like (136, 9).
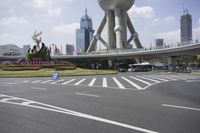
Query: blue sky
(59, 19)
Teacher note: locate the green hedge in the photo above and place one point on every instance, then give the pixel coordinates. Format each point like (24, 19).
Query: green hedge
(20, 68)
(61, 68)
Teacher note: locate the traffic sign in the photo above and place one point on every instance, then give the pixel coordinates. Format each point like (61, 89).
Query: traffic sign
(55, 76)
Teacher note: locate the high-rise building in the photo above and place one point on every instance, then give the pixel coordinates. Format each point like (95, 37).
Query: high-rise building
(84, 34)
(69, 49)
(186, 27)
(159, 43)
(25, 49)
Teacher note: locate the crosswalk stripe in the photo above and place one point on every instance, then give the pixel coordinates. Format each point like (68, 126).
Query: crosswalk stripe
(162, 79)
(92, 82)
(118, 83)
(133, 84)
(140, 80)
(104, 83)
(57, 81)
(79, 82)
(167, 77)
(46, 81)
(156, 81)
(36, 81)
(68, 81)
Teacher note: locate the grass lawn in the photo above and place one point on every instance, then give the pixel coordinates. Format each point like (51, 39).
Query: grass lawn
(48, 73)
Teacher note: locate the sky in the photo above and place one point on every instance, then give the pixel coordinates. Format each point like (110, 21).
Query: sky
(59, 19)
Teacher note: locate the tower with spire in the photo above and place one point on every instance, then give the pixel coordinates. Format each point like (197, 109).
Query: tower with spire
(84, 34)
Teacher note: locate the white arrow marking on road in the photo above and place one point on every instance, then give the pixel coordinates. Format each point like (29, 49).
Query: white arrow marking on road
(118, 83)
(92, 82)
(38, 105)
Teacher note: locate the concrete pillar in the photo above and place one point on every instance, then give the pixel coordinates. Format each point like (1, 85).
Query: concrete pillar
(110, 24)
(110, 63)
(171, 61)
(118, 27)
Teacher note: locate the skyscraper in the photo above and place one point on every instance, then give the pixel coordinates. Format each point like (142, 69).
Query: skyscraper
(186, 27)
(84, 34)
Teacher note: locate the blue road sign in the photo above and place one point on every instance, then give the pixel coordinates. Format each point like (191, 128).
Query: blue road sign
(55, 76)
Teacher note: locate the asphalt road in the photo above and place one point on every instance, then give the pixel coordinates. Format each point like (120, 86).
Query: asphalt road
(122, 103)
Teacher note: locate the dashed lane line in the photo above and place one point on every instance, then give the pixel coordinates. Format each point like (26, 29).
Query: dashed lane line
(180, 107)
(37, 105)
(38, 88)
(84, 94)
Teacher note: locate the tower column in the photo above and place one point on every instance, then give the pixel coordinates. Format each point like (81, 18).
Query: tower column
(110, 24)
(124, 21)
(118, 27)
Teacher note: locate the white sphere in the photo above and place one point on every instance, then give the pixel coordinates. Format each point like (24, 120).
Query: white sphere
(111, 4)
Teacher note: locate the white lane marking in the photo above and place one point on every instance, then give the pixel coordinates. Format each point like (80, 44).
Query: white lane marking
(104, 83)
(118, 83)
(167, 77)
(92, 82)
(38, 88)
(180, 107)
(6, 85)
(48, 107)
(133, 84)
(140, 80)
(11, 83)
(68, 81)
(156, 81)
(162, 79)
(25, 81)
(36, 81)
(46, 81)
(79, 82)
(191, 81)
(90, 95)
(57, 81)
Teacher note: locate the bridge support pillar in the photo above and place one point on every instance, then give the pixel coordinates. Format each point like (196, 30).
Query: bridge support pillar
(171, 61)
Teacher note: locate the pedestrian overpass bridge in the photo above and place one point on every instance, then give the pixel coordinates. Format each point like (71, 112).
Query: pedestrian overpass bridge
(125, 54)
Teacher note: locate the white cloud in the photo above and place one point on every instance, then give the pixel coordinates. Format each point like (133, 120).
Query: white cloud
(196, 33)
(56, 12)
(169, 18)
(13, 21)
(172, 36)
(145, 11)
(199, 21)
(66, 28)
(13, 39)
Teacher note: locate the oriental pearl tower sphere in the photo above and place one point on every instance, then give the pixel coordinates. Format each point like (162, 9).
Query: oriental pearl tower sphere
(117, 21)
